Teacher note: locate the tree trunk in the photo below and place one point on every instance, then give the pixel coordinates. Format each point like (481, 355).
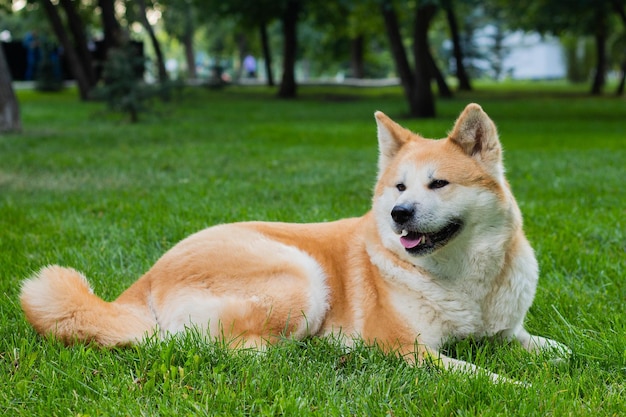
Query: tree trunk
(461, 73)
(426, 100)
(190, 56)
(187, 40)
(111, 27)
(619, 91)
(600, 40)
(356, 56)
(267, 54)
(497, 61)
(399, 56)
(9, 106)
(599, 76)
(77, 28)
(76, 67)
(290, 41)
(242, 47)
(155, 43)
(442, 85)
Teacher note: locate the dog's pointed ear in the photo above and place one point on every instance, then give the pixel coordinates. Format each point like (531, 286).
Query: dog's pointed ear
(391, 137)
(477, 136)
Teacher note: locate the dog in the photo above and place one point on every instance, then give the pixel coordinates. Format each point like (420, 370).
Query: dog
(441, 255)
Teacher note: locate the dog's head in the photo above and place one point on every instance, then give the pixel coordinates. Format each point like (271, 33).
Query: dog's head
(431, 193)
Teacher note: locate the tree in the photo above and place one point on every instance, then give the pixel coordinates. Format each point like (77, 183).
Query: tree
(77, 52)
(73, 58)
(415, 82)
(461, 73)
(267, 53)
(578, 17)
(9, 107)
(77, 28)
(143, 19)
(599, 18)
(179, 17)
(343, 34)
(289, 20)
(113, 36)
(258, 14)
(435, 72)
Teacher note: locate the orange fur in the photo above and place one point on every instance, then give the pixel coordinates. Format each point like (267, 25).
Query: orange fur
(253, 283)
(58, 301)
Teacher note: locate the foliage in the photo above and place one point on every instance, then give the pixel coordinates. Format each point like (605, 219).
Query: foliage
(23, 21)
(556, 17)
(123, 88)
(328, 27)
(109, 199)
(227, 20)
(579, 54)
(597, 18)
(331, 27)
(179, 17)
(247, 12)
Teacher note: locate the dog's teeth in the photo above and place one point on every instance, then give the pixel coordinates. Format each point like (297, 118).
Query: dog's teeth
(404, 233)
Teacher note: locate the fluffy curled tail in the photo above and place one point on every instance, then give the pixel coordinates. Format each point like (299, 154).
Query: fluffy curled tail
(59, 302)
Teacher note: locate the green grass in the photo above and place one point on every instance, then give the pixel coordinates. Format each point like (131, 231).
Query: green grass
(89, 191)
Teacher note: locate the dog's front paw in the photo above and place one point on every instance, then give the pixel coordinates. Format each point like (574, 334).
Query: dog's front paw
(557, 350)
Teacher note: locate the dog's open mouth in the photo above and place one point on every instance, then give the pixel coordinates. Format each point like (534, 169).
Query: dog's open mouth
(419, 243)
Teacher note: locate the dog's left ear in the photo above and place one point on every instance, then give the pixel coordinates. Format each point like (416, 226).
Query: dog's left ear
(391, 137)
(477, 136)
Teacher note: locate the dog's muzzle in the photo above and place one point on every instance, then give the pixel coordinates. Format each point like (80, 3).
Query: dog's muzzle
(421, 242)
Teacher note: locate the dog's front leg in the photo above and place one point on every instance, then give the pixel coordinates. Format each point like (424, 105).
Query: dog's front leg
(538, 344)
(455, 365)
(423, 355)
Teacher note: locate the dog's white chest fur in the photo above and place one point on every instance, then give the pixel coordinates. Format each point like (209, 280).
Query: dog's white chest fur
(462, 304)
(440, 315)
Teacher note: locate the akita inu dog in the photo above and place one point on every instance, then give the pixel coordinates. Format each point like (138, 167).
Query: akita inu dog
(440, 256)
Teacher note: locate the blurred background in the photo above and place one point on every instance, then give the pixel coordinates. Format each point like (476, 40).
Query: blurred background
(427, 46)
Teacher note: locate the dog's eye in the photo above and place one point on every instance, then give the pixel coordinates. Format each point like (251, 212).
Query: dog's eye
(401, 187)
(434, 184)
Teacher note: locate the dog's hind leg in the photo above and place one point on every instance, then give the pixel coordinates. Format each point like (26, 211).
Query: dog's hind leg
(244, 292)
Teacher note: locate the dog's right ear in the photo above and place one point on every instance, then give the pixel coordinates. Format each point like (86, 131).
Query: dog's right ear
(391, 137)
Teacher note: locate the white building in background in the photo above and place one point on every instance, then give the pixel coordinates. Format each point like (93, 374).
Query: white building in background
(532, 56)
(521, 55)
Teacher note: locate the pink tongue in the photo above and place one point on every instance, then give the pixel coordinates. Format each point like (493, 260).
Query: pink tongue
(409, 243)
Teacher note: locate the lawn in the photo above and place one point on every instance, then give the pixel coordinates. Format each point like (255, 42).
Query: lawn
(86, 189)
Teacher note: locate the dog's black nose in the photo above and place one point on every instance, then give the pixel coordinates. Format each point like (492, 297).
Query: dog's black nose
(402, 213)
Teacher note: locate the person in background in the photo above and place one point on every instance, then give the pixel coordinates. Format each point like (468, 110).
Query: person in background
(249, 65)
(31, 43)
